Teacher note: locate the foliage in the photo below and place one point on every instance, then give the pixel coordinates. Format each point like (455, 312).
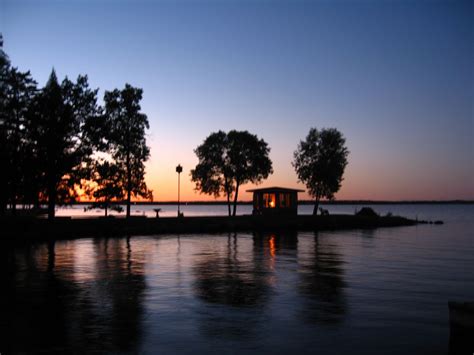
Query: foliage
(4, 70)
(109, 188)
(50, 138)
(16, 93)
(127, 142)
(227, 161)
(62, 146)
(320, 161)
(367, 212)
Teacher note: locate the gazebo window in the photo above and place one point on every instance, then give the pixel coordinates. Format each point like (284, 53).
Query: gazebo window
(269, 200)
(285, 200)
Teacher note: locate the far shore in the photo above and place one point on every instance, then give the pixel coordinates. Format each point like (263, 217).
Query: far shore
(304, 202)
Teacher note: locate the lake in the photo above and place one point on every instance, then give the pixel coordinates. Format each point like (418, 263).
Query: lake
(336, 292)
(414, 211)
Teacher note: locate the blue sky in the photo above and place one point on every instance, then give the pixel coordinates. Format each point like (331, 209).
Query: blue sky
(396, 77)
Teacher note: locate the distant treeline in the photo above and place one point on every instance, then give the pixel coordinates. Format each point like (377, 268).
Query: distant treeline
(52, 137)
(301, 202)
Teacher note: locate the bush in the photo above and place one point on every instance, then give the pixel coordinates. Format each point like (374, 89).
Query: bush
(367, 212)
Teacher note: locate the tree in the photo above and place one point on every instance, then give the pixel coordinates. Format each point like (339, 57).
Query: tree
(127, 139)
(63, 146)
(109, 187)
(227, 161)
(319, 162)
(21, 89)
(17, 91)
(4, 71)
(212, 175)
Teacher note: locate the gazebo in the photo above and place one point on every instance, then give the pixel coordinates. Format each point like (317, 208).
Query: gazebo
(275, 201)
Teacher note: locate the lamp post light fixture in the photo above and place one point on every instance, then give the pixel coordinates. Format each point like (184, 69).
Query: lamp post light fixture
(179, 170)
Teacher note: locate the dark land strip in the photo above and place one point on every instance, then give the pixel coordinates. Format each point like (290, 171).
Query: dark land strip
(32, 229)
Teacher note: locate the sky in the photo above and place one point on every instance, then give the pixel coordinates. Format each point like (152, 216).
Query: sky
(396, 77)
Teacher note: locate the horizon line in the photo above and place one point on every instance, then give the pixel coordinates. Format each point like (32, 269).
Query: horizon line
(306, 201)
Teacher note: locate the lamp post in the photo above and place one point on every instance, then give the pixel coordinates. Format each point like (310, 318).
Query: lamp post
(179, 169)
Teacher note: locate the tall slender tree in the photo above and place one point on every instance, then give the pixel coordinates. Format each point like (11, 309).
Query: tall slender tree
(17, 90)
(319, 162)
(127, 125)
(21, 89)
(4, 71)
(62, 144)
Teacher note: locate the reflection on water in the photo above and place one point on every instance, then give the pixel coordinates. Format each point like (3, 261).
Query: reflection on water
(227, 278)
(234, 278)
(289, 292)
(77, 296)
(322, 281)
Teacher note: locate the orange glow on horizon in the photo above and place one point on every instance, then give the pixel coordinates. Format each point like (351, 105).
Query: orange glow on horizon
(358, 184)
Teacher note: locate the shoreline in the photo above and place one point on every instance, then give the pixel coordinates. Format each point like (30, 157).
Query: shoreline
(300, 202)
(20, 229)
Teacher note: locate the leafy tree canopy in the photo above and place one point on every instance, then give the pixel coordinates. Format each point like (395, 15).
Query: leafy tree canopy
(17, 91)
(50, 137)
(60, 114)
(320, 161)
(229, 160)
(126, 138)
(109, 188)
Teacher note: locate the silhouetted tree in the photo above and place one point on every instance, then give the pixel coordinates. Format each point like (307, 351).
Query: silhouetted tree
(16, 93)
(227, 161)
(110, 189)
(21, 89)
(127, 138)
(320, 161)
(58, 127)
(4, 70)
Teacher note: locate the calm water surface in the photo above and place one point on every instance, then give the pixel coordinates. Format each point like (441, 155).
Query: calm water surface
(361, 291)
(409, 210)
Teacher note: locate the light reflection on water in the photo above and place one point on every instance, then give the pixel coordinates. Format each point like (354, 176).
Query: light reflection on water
(368, 291)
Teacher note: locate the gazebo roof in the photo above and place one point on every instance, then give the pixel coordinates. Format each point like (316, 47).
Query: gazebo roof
(275, 189)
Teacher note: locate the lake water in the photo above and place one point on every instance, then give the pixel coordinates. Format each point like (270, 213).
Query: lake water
(339, 292)
(408, 210)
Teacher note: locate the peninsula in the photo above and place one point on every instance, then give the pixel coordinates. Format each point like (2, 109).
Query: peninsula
(37, 229)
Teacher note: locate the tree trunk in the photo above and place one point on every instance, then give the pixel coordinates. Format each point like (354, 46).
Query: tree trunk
(227, 192)
(235, 199)
(129, 185)
(228, 203)
(51, 200)
(129, 201)
(316, 205)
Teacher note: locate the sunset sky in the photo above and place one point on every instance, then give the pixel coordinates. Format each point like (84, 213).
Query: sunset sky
(395, 77)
